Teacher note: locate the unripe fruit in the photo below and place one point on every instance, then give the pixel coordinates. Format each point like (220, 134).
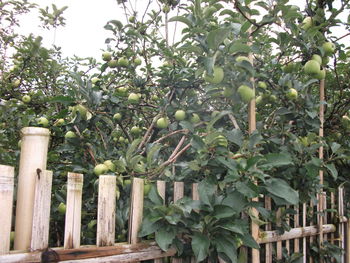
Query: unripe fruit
(112, 63)
(123, 62)
(70, 135)
(43, 121)
(106, 56)
(328, 48)
(317, 58)
(81, 109)
(61, 208)
(133, 98)
(195, 118)
(307, 23)
(218, 76)
(180, 115)
(289, 68)
(94, 80)
(162, 123)
(59, 122)
(321, 74)
(312, 67)
(246, 93)
(117, 116)
(262, 85)
(16, 83)
(228, 92)
(137, 61)
(292, 94)
(131, 19)
(110, 165)
(242, 58)
(26, 98)
(100, 169)
(147, 188)
(135, 130)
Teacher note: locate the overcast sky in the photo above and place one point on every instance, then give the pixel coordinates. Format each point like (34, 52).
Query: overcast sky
(84, 34)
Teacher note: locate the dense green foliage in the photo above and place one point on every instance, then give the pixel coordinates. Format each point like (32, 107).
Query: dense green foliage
(109, 110)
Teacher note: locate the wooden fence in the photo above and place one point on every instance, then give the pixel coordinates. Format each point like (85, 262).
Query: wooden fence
(298, 239)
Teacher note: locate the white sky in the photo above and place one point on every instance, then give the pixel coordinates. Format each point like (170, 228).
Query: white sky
(84, 34)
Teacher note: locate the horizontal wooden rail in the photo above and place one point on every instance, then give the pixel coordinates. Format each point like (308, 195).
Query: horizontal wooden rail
(273, 236)
(121, 252)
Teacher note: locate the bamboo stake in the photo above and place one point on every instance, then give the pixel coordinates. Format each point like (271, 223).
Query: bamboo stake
(341, 223)
(73, 211)
(161, 190)
(296, 224)
(311, 223)
(106, 210)
(287, 241)
(279, 243)
(33, 158)
(136, 209)
(304, 238)
(324, 208)
(41, 212)
(178, 194)
(332, 214)
(195, 194)
(268, 246)
(7, 174)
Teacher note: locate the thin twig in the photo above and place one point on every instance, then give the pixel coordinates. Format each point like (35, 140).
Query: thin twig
(234, 121)
(181, 142)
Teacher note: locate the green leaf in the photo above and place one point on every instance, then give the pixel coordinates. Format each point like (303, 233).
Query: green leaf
(226, 246)
(281, 189)
(335, 147)
(249, 241)
(216, 37)
(154, 196)
(235, 200)
(239, 48)
(149, 226)
(277, 159)
(216, 118)
(232, 227)
(200, 246)
(164, 238)
(181, 19)
(235, 136)
(62, 99)
(153, 153)
(223, 211)
(206, 192)
(333, 171)
(132, 148)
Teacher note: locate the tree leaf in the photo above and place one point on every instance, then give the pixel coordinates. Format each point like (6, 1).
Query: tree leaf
(216, 37)
(164, 238)
(281, 189)
(223, 211)
(239, 48)
(277, 159)
(226, 246)
(333, 171)
(181, 19)
(200, 246)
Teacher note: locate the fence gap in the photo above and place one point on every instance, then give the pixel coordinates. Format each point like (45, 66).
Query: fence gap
(73, 211)
(7, 174)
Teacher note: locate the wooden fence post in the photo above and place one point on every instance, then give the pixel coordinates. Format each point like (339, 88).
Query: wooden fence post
(7, 174)
(106, 210)
(341, 222)
(73, 211)
(41, 212)
(33, 158)
(161, 191)
(268, 246)
(136, 209)
(178, 194)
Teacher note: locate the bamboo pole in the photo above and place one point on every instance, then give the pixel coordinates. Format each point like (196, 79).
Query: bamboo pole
(73, 211)
(304, 238)
(324, 208)
(287, 241)
(136, 209)
(41, 212)
(161, 191)
(311, 240)
(296, 224)
(106, 210)
(7, 174)
(332, 214)
(279, 242)
(268, 246)
(33, 158)
(341, 230)
(178, 194)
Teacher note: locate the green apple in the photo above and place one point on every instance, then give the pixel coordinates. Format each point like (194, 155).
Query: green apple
(70, 135)
(307, 23)
(147, 188)
(195, 118)
(155, 97)
(26, 98)
(289, 68)
(121, 139)
(43, 121)
(325, 61)
(135, 130)
(122, 91)
(61, 208)
(218, 76)
(15, 83)
(59, 122)
(272, 98)
(166, 9)
(242, 58)
(106, 56)
(112, 63)
(123, 62)
(110, 165)
(262, 85)
(180, 115)
(292, 94)
(81, 109)
(321, 74)
(132, 19)
(259, 100)
(317, 58)
(94, 80)
(162, 123)
(328, 48)
(117, 116)
(228, 92)
(133, 98)
(312, 67)
(100, 169)
(345, 121)
(246, 93)
(137, 61)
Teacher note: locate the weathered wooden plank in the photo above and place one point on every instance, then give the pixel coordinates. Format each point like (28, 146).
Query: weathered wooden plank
(106, 210)
(279, 242)
(41, 212)
(179, 188)
(268, 246)
(136, 209)
(272, 236)
(126, 252)
(341, 230)
(296, 224)
(7, 174)
(73, 211)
